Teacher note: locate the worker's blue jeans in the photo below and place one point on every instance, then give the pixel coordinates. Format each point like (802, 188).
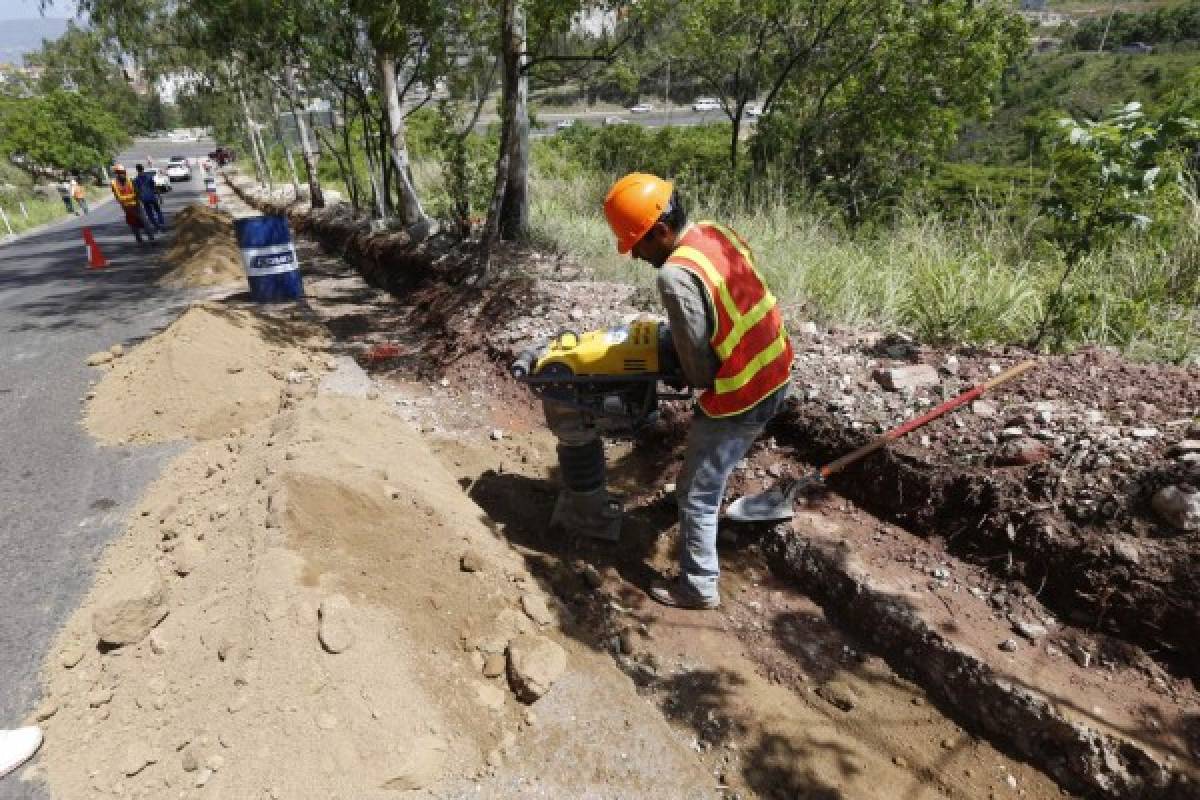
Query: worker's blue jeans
(715, 446)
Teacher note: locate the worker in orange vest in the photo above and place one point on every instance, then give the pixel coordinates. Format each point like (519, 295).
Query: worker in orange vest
(729, 335)
(127, 195)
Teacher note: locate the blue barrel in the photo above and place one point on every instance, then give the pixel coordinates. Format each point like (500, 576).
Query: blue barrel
(269, 258)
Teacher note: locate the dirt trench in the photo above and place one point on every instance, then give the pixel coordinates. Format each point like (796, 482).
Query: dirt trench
(443, 334)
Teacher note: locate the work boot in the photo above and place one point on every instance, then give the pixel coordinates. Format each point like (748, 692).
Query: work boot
(679, 594)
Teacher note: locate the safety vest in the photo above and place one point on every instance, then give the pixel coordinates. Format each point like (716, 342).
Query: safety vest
(748, 335)
(126, 194)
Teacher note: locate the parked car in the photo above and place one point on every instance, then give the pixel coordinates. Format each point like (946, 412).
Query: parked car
(178, 169)
(162, 184)
(615, 121)
(564, 124)
(706, 104)
(641, 108)
(753, 110)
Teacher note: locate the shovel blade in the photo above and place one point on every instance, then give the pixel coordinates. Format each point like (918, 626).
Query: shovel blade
(773, 505)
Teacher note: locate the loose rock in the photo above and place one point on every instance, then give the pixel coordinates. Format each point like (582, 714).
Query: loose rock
(493, 665)
(140, 605)
(188, 556)
(1022, 452)
(534, 664)
(471, 562)
(96, 359)
(138, 756)
(913, 377)
(419, 765)
(838, 695)
(1178, 508)
(334, 628)
(535, 606)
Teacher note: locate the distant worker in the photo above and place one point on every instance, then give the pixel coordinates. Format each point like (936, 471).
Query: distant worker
(79, 195)
(64, 191)
(127, 195)
(729, 335)
(148, 194)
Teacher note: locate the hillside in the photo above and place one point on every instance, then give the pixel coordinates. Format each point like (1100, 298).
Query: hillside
(1081, 84)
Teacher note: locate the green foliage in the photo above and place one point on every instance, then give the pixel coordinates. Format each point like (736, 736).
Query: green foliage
(694, 156)
(1159, 26)
(979, 279)
(81, 60)
(61, 130)
(1081, 84)
(1119, 173)
(466, 164)
(883, 104)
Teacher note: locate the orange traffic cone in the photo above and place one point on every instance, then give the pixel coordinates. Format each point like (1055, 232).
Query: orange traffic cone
(96, 259)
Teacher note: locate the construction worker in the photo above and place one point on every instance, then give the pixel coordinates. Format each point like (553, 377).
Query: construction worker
(730, 339)
(79, 195)
(127, 195)
(148, 195)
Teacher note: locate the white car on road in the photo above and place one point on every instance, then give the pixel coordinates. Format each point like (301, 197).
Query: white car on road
(564, 124)
(753, 110)
(178, 169)
(641, 108)
(706, 104)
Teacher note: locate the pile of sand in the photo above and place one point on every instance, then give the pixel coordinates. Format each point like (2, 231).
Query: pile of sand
(313, 608)
(215, 369)
(204, 251)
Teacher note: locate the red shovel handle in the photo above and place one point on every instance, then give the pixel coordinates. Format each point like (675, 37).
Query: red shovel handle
(913, 424)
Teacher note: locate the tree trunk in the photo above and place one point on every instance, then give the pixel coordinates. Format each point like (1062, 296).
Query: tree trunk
(379, 198)
(514, 209)
(259, 171)
(410, 211)
(512, 67)
(287, 150)
(316, 198)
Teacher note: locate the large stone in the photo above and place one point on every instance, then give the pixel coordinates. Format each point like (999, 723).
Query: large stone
(97, 359)
(914, 377)
(1178, 508)
(335, 629)
(133, 610)
(418, 765)
(534, 664)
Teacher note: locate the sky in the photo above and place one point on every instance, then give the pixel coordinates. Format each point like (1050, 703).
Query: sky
(23, 9)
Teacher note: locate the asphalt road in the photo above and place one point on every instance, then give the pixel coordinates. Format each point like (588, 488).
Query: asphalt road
(62, 498)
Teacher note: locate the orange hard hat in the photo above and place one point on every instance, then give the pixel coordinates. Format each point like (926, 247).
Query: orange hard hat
(118, 167)
(634, 204)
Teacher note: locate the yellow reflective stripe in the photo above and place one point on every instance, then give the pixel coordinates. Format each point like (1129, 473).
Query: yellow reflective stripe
(716, 279)
(761, 308)
(732, 384)
(744, 323)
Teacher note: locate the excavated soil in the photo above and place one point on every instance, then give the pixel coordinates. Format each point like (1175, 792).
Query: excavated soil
(216, 369)
(309, 607)
(204, 251)
(1069, 544)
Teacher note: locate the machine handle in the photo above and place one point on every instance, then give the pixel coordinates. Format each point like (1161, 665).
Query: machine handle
(524, 364)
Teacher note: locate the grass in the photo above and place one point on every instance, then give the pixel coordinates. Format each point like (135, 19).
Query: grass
(37, 210)
(976, 279)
